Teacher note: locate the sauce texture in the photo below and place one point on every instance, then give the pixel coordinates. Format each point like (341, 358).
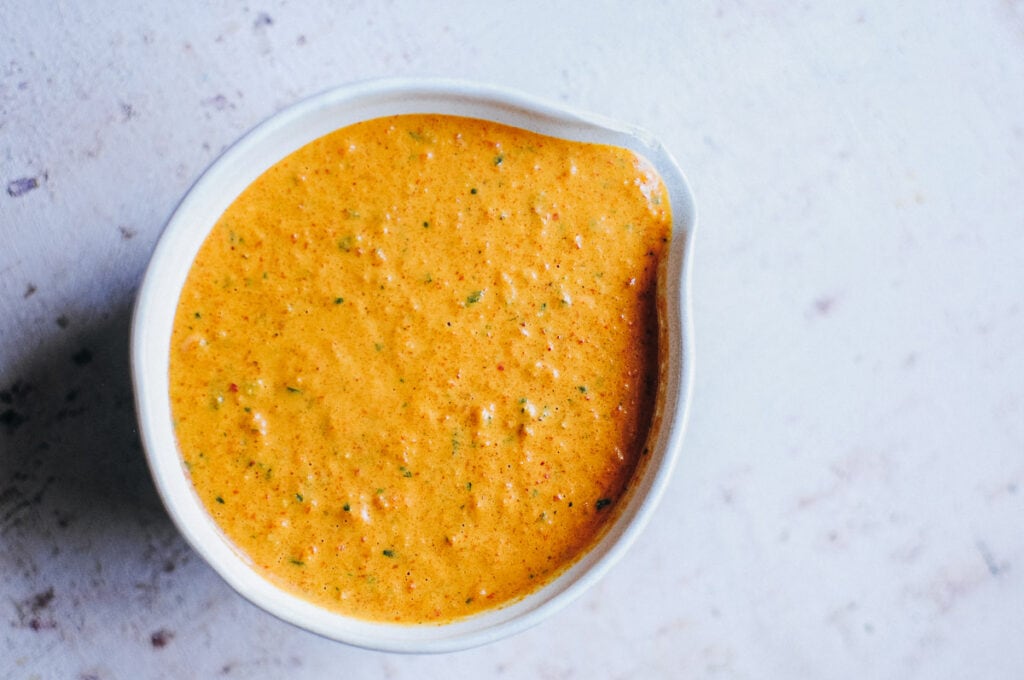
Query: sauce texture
(414, 364)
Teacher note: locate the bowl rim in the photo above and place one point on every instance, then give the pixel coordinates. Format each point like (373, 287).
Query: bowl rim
(235, 169)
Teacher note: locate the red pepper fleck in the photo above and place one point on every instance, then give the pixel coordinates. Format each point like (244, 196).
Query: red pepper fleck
(233, 388)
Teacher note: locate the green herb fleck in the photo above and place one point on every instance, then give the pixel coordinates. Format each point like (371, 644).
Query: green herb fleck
(346, 243)
(406, 472)
(473, 191)
(378, 346)
(603, 503)
(582, 389)
(298, 497)
(347, 507)
(338, 300)
(293, 390)
(474, 297)
(379, 490)
(388, 553)
(297, 563)
(426, 224)
(219, 500)
(198, 315)
(499, 159)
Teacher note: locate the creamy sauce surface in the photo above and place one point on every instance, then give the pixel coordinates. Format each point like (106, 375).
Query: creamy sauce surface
(414, 364)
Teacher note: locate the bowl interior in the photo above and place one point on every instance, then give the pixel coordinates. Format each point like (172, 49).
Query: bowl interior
(242, 164)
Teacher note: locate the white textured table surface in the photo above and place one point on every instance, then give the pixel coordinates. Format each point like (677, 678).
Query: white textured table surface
(851, 498)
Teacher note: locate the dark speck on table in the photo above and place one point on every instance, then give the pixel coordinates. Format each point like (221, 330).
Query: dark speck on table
(21, 186)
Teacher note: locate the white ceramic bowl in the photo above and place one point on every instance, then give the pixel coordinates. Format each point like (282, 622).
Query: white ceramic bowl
(233, 172)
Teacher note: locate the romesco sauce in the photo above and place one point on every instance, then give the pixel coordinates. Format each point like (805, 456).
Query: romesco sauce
(414, 364)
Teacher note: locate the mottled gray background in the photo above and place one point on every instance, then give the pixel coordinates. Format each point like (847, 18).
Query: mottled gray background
(850, 500)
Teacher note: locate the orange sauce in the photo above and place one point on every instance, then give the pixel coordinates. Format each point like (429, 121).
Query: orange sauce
(414, 364)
